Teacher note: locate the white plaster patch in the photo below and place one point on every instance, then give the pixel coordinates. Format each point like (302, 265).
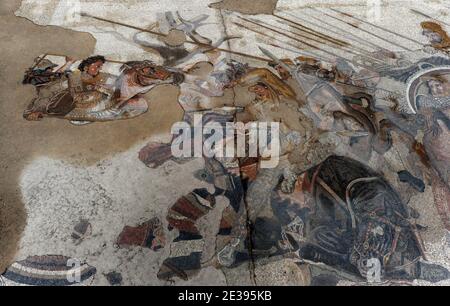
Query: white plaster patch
(116, 192)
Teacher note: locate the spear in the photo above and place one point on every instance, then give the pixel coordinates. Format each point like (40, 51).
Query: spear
(343, 45)
(367, 88)
(317, 40)
(289, 36)
(361, 52)
(377, 26)
(285, 42)
(427, 16)
(240, 25)
(187, 41)
(303, 36)
(301, 41)
(343, 33)
(334, 32)
(365, 31)
(107, 59)
(301, 49)
(297, 50)
(311, 31)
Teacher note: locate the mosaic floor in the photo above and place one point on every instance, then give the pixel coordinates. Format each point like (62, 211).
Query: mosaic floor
(330, 169)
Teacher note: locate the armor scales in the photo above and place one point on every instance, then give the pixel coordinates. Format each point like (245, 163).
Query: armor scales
(433, 102)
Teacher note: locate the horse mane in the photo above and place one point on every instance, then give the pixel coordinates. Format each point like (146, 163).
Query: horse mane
(133, 65)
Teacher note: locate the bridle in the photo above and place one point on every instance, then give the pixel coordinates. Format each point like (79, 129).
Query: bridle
(140, 77)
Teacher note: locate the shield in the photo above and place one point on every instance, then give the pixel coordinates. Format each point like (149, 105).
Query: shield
(417, 85)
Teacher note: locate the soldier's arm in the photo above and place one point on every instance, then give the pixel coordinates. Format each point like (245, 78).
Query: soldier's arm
(67, 65)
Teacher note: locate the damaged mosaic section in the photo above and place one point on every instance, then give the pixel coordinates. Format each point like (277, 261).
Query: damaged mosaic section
(263, 7)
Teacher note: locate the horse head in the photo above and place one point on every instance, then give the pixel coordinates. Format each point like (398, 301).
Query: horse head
(146, 73)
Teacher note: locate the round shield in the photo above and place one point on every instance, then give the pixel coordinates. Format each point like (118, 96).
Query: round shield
(418, 86)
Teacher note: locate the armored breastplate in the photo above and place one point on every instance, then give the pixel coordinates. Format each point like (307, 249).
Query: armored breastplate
(85, 90)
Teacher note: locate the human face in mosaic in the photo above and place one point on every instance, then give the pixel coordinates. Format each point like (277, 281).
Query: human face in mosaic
(95, 68)
(261, 91)
(433, 37)
(284, 74)
(437, 88)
